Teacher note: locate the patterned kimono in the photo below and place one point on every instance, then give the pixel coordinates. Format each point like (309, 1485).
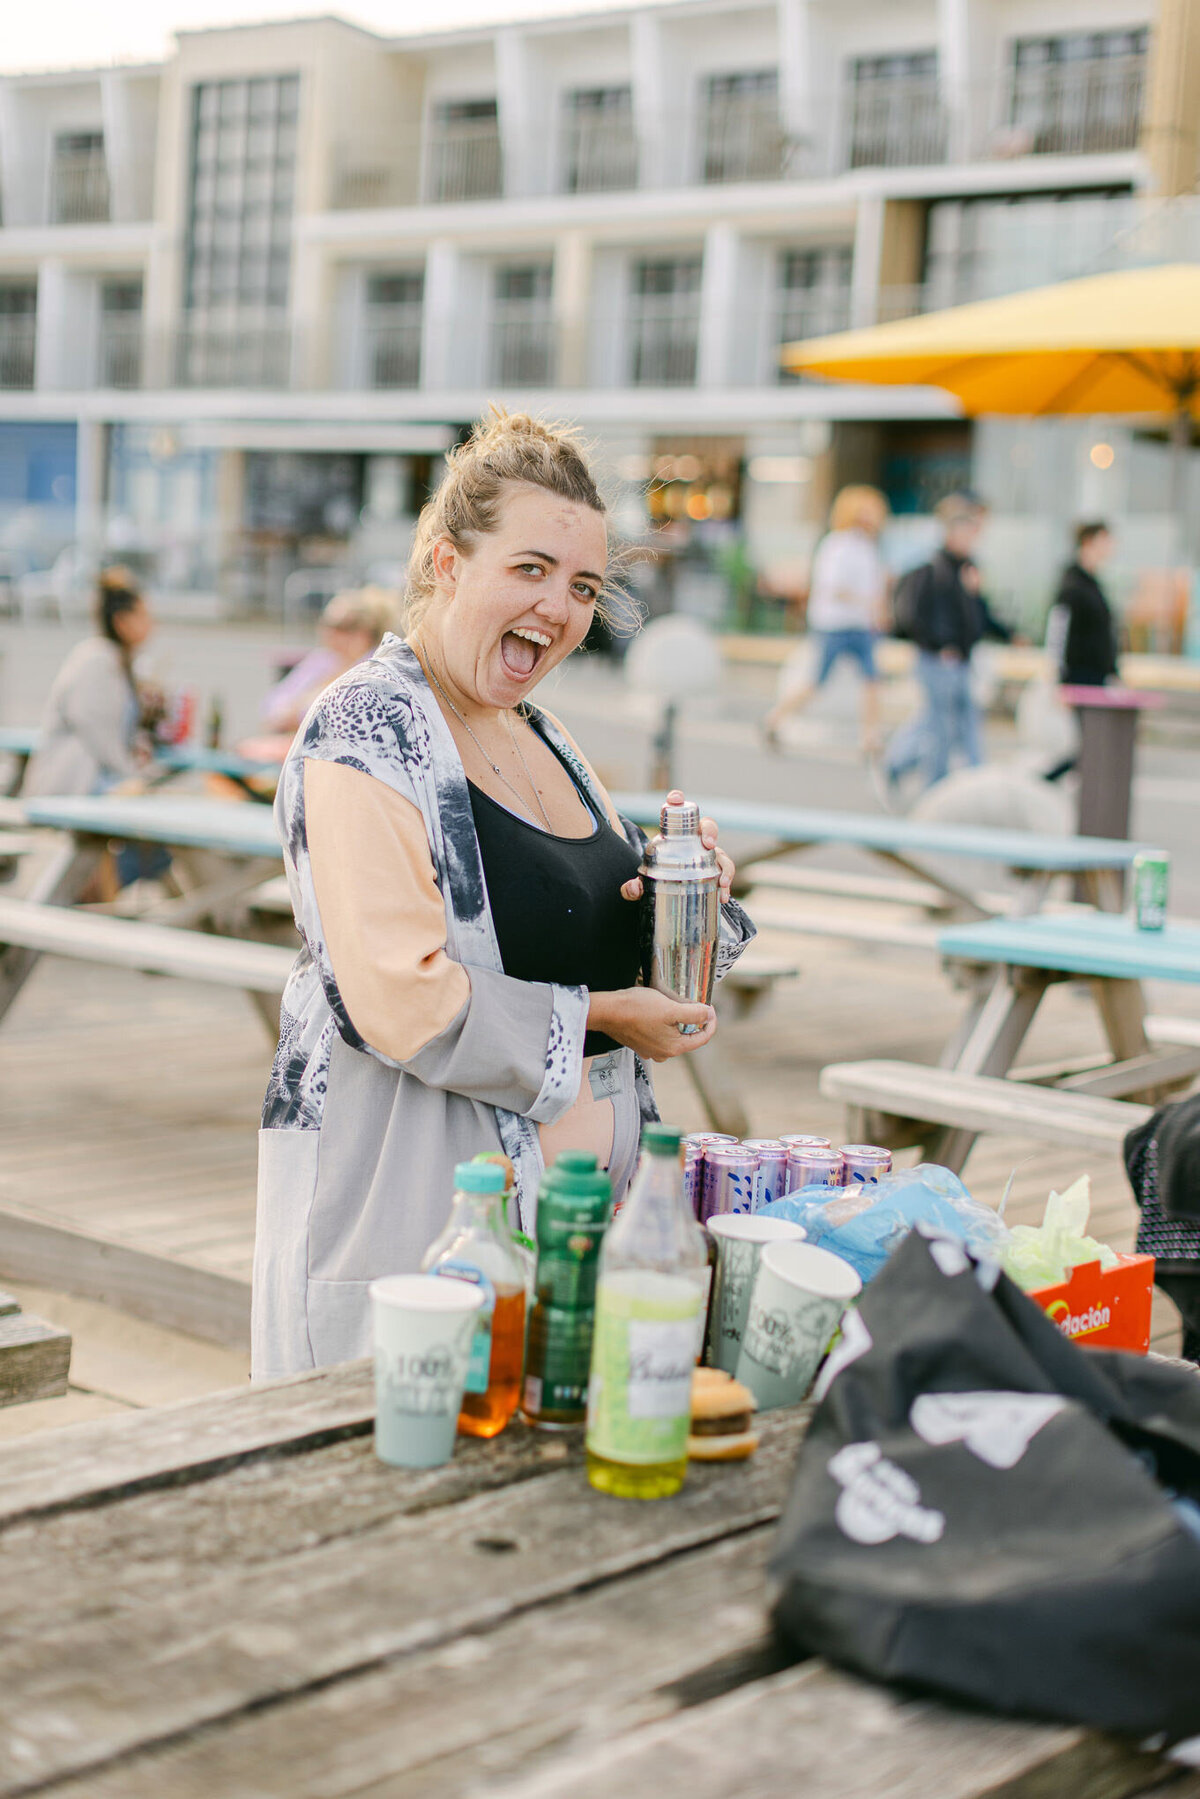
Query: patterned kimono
(357, 1149)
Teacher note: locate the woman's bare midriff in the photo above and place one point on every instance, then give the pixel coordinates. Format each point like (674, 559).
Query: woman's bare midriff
(589, 1125)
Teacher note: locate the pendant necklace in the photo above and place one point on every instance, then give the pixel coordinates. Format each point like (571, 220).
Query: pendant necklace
(495, 766)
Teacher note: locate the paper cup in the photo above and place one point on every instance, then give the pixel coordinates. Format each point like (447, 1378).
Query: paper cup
(423, 1326)
(800, 1293)
(739, 1237)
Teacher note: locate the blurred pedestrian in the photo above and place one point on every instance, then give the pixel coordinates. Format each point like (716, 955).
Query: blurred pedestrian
(847, 597)
(353, 625)
(941, 608)
(1081, 638)
(92, 737)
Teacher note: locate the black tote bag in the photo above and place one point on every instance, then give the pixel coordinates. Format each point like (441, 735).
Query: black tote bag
(983, 1510)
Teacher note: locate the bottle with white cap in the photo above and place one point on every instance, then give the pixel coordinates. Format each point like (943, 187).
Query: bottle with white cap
(681, 907)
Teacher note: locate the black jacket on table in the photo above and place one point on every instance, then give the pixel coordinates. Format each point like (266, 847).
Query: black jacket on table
(947, 615)
(1089, 653)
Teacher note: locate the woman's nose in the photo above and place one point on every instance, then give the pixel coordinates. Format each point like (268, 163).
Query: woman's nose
(553, 604)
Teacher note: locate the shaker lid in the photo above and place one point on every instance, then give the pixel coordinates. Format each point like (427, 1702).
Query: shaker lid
(681, 819)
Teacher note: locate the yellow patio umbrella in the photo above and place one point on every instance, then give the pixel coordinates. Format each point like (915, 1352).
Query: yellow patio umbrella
(1128, 342)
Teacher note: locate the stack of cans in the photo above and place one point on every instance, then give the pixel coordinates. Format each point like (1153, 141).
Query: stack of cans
(722, 1175)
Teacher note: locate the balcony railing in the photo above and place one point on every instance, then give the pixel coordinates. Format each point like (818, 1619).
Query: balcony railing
(465, 162)
(807, 312)
(664, 342)
(894, 124)
(119, 350)
(745, 142)
(1076, 108)
(523, 348)
(79, 190)
(599, 154)
(393, 345)
(235, 355)
(18, 340)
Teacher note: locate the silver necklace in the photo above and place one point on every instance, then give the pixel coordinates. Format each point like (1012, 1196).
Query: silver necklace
(495, 766)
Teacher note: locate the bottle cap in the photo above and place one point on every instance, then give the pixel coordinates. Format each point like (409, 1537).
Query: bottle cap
(575, 1172)
(661, 1140)
(682, 820)
(479, 1177)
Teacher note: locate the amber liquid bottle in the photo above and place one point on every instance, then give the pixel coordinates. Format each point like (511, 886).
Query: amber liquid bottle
(478, 1246)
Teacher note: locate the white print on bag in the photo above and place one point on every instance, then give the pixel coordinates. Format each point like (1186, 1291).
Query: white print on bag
(948, 1255)
(854, 1341)
(880, 1500)
(996, 1427)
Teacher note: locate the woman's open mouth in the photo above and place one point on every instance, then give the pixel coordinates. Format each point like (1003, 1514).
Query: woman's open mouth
(521, 649)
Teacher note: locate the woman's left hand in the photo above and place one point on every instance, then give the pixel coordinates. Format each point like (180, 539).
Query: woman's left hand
(632, 890)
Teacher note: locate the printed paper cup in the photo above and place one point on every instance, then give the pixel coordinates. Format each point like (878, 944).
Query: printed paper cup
(739, 1238)
(423, 1326)
(799, 1295)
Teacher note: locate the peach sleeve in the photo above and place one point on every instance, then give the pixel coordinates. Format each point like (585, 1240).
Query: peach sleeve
(382, 915)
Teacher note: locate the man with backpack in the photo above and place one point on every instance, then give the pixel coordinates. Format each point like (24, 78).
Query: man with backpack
(940, 608)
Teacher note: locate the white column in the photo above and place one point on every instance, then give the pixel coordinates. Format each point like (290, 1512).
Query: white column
(719, 321)
(868, 253)
(440, 322)
(954, 75)
(53, 351)
(523, 133)
(573, 267)
(23, 148)
(658, 133)
(91, 453)
(806, 119)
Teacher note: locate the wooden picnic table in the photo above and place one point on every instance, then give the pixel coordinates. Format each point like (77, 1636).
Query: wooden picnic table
(233, 1597)
(18, 743)
(1098, 862)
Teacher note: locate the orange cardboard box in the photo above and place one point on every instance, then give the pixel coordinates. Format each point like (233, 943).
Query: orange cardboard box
(1109, 1308)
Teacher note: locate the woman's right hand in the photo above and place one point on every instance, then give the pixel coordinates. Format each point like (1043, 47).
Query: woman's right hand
(647, 1022)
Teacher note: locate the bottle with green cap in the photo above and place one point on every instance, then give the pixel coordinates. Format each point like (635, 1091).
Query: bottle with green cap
(477, 1246)
(651, 1286)
(573, 1210)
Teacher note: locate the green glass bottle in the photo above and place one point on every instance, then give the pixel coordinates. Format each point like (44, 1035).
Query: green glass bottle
(648, 1299)
(573, 1210)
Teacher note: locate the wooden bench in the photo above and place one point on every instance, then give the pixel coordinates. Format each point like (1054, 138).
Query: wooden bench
(902, 1103)
(26, 925)
(35, 1357)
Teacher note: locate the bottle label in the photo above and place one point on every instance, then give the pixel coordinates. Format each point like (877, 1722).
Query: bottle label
(640, 1397)
(560, 1350)
(480, 1365)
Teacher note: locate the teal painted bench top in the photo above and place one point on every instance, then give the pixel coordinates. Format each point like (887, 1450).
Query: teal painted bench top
(1098, 943)
(184, 759)
(231, 830)
(903, 836)
(18, 740)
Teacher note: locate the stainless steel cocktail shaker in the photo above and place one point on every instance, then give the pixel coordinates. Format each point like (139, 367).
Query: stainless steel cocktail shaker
(680, 909)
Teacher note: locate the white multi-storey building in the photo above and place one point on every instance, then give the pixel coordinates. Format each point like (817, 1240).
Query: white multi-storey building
(246, 297)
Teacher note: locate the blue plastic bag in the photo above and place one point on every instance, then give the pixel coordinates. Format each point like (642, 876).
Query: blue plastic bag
(864, 1222)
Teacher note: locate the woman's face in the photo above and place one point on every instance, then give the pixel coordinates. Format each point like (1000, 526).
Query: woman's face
(522, 599)
(134, 626)
(350, 642)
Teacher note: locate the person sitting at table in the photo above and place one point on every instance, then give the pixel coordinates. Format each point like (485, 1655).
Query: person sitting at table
(464, 889)
(91, 738)
(353, 625)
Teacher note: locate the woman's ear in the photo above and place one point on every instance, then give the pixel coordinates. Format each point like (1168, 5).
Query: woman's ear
(445, 564)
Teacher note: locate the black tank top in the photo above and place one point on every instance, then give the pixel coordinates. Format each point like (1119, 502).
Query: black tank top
(556, 903)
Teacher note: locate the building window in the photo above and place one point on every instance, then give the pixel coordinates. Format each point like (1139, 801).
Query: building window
(599, 144)
(743, 139)
(18, 332)
(120, 359)
(665, 322)
(812, 296)
(395, 310)
(893, 111)
(522, 326)
(464, 153)
(79, 179)
(1079, 93)
(978, 249)
(239, 232)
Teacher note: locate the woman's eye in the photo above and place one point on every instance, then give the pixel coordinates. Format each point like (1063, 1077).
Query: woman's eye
(530, 568)
(585, 592)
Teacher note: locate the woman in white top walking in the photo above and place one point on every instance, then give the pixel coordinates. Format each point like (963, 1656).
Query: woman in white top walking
(846, 605)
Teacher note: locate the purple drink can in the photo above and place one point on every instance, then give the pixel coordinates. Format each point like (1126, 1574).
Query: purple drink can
(730, 1179)
(693, 1175)
(815, 1168)
(865, 1161)
(772, 1169)
(807, 1142)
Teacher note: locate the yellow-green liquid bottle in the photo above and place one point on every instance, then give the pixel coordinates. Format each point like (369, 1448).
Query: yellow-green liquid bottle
(648, 1298)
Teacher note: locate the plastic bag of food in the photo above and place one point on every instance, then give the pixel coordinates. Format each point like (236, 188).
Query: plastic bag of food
(1042, 1255)
(864, 1222)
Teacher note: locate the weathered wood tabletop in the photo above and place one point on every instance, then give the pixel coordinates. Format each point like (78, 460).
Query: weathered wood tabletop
(234, 1597)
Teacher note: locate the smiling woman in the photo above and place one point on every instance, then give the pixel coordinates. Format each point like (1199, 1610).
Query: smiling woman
(466, 894)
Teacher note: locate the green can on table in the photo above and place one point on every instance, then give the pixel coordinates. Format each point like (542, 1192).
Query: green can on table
(1151, 879)
(574, 1209)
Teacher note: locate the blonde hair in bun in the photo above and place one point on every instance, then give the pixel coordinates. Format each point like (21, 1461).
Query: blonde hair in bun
(503, 448)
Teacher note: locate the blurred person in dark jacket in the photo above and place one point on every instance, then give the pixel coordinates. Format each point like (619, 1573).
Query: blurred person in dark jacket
(941, 608)
(1081, 637)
